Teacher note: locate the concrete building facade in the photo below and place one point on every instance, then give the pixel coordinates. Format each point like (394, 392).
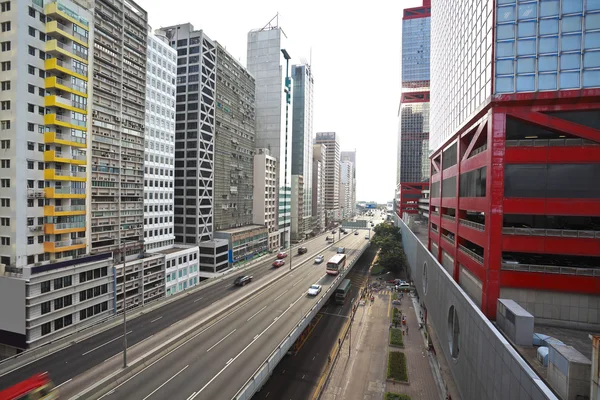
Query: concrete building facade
(182, 269)
(265, 200)
(302, 146)
(351, 156)
(347, 188)
(331, 193)
(159, 144)
(245, 243)
(318, 174)
(267, 64)
(194, 133)
(118, 126)
(234, 143)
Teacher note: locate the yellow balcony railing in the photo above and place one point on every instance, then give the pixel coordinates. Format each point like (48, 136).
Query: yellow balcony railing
(64, 227)
(66, 67)
(53, 82)
(52, 174)
(62, 120)
(55, 28)
(54, 47)
(56, 9)
(64, 245)
(64, 139)
(64, 193)
(57, 156)
(65, 103)
(60, 211)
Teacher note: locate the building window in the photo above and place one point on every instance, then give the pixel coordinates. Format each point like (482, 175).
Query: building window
(5, 65)
(46, 308)
(5, 163)
(5, 46)
(45, 286)
(5, 26)
(46, 328)
(5, 85)
(5, 6)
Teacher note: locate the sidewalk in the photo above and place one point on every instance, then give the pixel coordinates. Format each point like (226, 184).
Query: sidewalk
(360, 373)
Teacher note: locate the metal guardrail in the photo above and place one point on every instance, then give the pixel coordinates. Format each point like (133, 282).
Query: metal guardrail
(263, 373)
(471, 224)
(551, 269)
(471, 254)
(568, 233)
(449, 217)
(448, 238)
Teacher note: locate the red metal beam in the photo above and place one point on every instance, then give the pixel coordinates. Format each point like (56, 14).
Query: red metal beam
(552, 155)
(567, 207)
(553, 282)
(558, 125)
(480, 128)
(551, 245)
(415, 97)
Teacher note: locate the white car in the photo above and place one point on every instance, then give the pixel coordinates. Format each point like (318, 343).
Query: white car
(319, 259)
(314, 290)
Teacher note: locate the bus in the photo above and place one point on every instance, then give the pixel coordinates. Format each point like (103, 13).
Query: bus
(37, 387)
(342, 291)
(336, 264)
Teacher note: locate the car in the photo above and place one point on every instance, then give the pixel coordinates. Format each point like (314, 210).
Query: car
(242, 280)
(314, 290)
(278, 263)
(302, 250)
(356, 233)
(281, 255)
(333, 231)
(319, 259)
(341, 250)
(367, 237)
(329, 239)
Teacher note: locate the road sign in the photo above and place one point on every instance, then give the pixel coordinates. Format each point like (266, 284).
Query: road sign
(361, 223)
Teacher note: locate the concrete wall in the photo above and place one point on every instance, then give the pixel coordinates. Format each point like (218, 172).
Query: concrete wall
(572, 310)
(470, 284)
(485, 366)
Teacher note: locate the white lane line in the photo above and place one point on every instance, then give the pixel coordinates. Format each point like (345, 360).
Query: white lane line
(245, 348)
(297, 282)
(191, 396)
(168, 380)
(276, 298)
(156, 319)
(63, 383)
(256, 313)
(216, 344)
(198, 299)
(102, 345)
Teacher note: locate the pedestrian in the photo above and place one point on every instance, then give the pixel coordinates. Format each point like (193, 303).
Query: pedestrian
(407, 330)
(390, 325)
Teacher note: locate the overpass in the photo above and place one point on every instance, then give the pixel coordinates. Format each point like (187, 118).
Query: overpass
(233, 356)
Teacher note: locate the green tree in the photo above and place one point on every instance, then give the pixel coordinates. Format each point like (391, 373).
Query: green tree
(389, 240)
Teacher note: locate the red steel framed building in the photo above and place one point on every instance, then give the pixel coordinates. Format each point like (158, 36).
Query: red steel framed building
(515, 167)
(413, 132)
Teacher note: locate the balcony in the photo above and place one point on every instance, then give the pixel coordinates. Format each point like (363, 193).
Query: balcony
(471, 254)
(448, 238)
(62, 120)
(65, 139)
(65, 103)
(56, 48)
(552, 269)
(565, 233)
(65, 193)
(64, 245)
(64, 227)
(471, 224)
(64, 175)
(59, 211)
(449, 217)
(60, 157)
(56, 29)
(66, 67)
(54, 82)
(57, 10)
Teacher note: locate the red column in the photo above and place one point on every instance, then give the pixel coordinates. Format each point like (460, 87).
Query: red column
(496, 131)
(459, 152)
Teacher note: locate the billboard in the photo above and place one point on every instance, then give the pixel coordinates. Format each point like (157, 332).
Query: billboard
(371, 206)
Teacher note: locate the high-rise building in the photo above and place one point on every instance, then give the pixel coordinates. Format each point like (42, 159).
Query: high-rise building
(515, 208)
(265, 195)
(234, 143)
(318, 174)
(351, 157)
(331, 172)
(159, 157)
(267, 63)
(347, 187)
(302, 147)
(118, 125)
(194, 133)
(45, 61)
(412, 175)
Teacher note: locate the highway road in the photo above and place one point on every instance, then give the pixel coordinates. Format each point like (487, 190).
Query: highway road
(218, 360)
(67, 363)
(297, 376)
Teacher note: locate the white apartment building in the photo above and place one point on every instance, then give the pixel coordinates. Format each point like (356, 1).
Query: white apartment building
(159, 143)
(182, 271)
(265, 200)
(331, 172)
(347, 188)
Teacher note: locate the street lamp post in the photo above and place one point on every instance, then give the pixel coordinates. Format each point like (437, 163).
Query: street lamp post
(288, 99)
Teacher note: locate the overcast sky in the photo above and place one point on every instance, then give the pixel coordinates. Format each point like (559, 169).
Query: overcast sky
(355, 59)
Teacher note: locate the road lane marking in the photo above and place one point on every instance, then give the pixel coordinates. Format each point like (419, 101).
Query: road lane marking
(245, 348)
(297, 282)
(276, 298)
(168, 380)
(156, 319)
(102, 345)
(335, 315)
(65, 382)
(191, 396)
(198, 299)
(256, 313)
(216, 344)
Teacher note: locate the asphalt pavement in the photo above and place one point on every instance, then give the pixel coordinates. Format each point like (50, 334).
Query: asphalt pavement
(69, 362)
(216, 362)
(297, 376)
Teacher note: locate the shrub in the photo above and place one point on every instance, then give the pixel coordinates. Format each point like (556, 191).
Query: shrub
(396, 337)
(396, 396)
(397, 366)
(394, 296)
(396, 315)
